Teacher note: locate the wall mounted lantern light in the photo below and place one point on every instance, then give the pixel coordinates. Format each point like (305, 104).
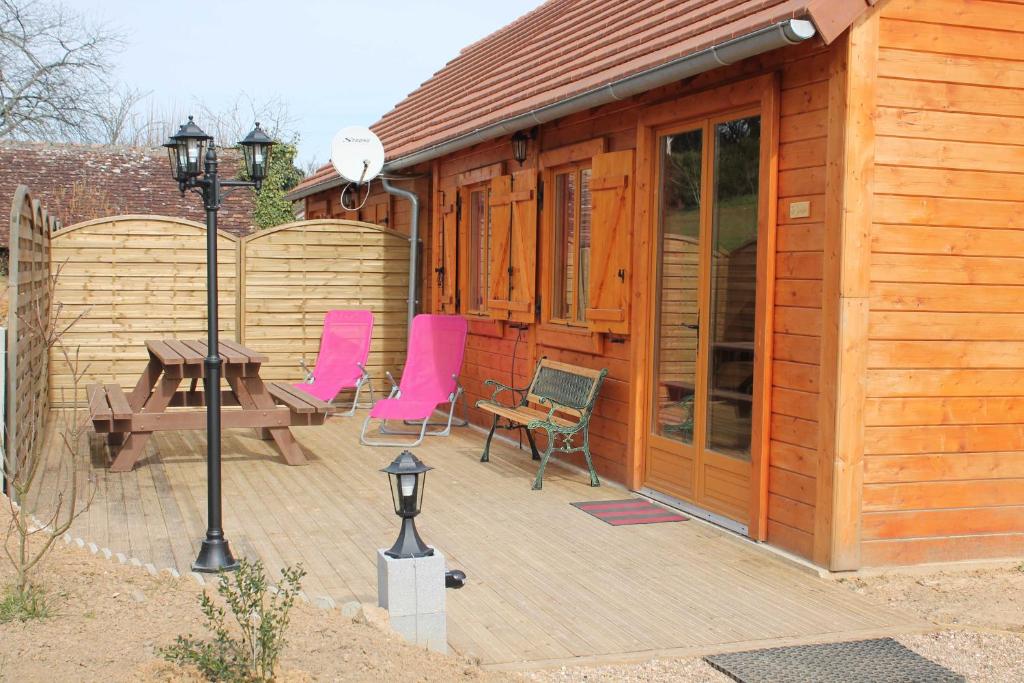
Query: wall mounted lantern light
(520, 142)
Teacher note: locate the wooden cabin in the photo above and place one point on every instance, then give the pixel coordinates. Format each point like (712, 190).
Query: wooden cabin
(792, 231)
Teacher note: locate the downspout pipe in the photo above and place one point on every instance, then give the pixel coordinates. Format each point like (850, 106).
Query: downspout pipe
(789, 32)
(414, 240)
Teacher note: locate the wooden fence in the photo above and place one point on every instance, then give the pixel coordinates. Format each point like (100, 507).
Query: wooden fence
(144, 277)
(28, 308)
(292, 275)
(134, 278)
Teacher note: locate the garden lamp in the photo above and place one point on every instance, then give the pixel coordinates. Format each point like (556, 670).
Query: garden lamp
(408, 476)
(256, 150)
(185, 149)
(193, 157)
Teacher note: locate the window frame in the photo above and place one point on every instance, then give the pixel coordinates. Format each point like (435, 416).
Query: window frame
(466, 193)
(549, 247)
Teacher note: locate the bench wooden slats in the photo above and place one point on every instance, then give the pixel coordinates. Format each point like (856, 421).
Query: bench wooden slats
(249, 354)
(99, 409)
(525, 414)
(227, 354)
(188, 354)
(164, 353)
(118, 402)
(298, 401)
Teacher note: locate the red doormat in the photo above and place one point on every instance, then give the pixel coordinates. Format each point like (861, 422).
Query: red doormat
(630, 511)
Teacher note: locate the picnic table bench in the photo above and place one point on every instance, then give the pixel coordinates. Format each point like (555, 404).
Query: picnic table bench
(565, 395)
(130, 418)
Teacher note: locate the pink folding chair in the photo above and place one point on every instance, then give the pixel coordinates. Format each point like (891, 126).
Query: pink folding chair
(430, 378)
(341, 363)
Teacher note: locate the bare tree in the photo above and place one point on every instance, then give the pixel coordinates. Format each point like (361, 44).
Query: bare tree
(71, 493)
(136, 119)
(120, 122)
(54, 71)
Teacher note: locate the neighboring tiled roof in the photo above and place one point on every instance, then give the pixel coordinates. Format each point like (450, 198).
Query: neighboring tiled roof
(567, 47)
(81, 182)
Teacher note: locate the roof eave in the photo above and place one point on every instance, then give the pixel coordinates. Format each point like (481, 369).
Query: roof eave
(766, 39)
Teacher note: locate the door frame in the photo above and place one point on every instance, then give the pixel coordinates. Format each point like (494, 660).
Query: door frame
(762, 93)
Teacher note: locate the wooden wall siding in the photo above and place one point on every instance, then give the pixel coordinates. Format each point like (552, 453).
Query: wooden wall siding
(136, 278)
(798, 319)
(944, 446)
(391, 212)
(29, 299)
(793, 459)
(293, 274)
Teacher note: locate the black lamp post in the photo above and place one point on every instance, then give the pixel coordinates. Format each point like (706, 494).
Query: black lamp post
(186, 151)
(408, 476)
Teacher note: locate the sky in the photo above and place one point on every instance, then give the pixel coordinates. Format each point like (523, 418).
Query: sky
(334, 63)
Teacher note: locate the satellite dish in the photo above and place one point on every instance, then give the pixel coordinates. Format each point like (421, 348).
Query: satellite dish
(357, 154)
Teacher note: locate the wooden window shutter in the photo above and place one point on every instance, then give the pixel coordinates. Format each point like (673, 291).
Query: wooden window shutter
(611, 187)
(513, 270)
(500, 247)
(522, 295)
(445, 251)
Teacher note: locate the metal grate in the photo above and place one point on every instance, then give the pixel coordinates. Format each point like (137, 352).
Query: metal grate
(862, 661)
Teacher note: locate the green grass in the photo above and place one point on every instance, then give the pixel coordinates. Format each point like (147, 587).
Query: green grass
(32, 604)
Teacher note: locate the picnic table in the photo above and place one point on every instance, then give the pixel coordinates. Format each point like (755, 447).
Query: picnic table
(130, 418)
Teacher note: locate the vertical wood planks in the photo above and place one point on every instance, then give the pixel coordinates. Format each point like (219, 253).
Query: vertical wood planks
(846, 264)
(29, 306)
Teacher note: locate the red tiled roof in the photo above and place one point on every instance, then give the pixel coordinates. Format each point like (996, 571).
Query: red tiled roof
(80, 182)
(567, 47)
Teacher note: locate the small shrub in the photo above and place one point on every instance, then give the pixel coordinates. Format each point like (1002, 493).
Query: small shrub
(24, 605)
(250, 652)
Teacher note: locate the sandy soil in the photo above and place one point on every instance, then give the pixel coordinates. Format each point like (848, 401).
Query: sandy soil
(111, 618)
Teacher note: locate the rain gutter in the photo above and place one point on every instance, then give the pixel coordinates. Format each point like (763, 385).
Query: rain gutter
(782, 34)
(414, 242)
(773, 37)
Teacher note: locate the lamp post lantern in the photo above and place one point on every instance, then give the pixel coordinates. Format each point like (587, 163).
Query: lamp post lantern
(193, 157)
(408, 477)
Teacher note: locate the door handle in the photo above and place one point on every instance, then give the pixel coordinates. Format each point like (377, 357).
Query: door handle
(691, 327)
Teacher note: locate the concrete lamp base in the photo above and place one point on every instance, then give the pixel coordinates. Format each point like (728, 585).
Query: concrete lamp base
(412, 590)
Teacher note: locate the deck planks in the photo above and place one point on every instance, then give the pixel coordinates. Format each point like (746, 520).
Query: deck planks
(547, 584)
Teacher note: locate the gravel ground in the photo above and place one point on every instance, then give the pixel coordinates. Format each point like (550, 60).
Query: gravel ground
(981, 614)
(690, 670)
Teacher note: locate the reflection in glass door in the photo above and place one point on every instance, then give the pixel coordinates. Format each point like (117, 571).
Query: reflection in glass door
(705, 299)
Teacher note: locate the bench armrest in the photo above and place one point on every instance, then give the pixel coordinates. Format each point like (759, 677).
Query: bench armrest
(499, 387)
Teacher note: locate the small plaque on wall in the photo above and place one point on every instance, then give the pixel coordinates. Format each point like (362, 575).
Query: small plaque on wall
(800, 209)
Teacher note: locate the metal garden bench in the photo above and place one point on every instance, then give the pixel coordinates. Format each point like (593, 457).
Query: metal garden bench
(565, 395)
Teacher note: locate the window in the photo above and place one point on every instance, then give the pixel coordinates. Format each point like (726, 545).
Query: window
(478, 236)
(570, 238)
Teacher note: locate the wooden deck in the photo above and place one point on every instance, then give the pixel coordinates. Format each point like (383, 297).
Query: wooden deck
(548, 584)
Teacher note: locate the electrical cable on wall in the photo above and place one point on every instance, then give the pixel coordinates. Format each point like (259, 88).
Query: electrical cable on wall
(512, 383)
(357, 185)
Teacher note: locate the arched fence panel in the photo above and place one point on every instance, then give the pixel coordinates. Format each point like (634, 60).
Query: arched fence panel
(293, 274)
(29, 301)
(134, 278)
